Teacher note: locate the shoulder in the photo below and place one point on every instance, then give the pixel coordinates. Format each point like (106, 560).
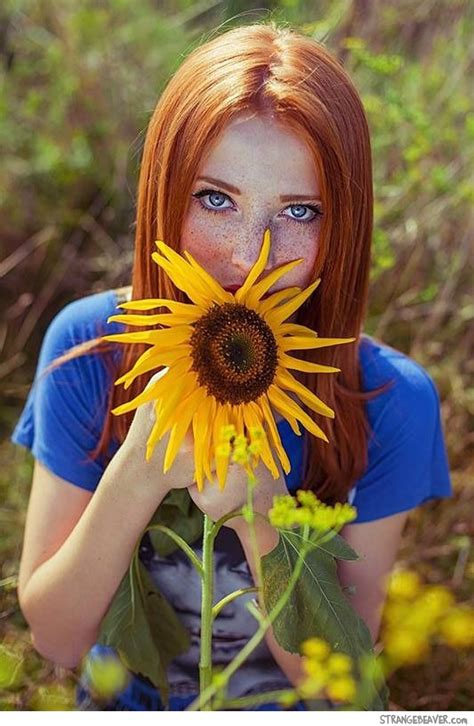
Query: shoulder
(411, 389)
(80, 317)
(80, 321)
(407, 457)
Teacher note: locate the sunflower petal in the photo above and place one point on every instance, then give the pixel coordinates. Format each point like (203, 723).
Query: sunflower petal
(283, 403)
(284, 379)
(299, 341)
(184, 414)
(181, 386)
(160, 319)
(222, 462)
(276, 298)
(257, 269)
(260, 288)
(215, 290)
(274, 434)
(200, 429)
(150, 303)
(148, 394)
(254, 418)
(166, 337)
(153, 437)
(190, 285)
(306, 366)
(168, 357)
(296, 329)
(208, 454)
(179, 264)
(277, 316)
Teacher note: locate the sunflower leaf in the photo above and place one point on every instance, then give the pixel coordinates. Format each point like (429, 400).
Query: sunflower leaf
(140, 623)
(317, 606)
(143, 627)
(178, 512)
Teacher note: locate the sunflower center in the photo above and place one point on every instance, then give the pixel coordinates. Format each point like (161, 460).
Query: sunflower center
(234, 353)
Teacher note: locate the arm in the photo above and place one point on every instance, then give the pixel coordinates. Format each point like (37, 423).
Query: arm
(377, 544)
(78, 545)
(77, 548)
(267, 540)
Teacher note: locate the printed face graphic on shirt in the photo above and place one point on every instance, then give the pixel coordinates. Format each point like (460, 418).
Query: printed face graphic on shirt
(179, 582)
(258, 174)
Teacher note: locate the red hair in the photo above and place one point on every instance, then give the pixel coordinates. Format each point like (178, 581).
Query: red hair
(261, 69)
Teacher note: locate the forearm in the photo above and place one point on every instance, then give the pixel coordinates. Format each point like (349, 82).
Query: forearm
(267, 540)
(66, 597)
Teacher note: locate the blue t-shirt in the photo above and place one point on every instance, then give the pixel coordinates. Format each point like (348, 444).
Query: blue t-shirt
(407, 465)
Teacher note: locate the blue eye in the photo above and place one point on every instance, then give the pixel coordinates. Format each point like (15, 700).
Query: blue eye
(211, 193)
(317, 211)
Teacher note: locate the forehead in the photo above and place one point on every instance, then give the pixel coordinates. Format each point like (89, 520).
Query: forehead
(252, 151)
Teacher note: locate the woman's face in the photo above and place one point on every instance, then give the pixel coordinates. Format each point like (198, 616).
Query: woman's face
(257, 175)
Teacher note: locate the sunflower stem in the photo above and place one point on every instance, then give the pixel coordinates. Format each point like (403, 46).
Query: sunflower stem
(205, 661)
(230, 598)
(207, 694)
(181, 543)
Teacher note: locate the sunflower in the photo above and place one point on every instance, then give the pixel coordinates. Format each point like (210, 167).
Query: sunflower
(228, 359)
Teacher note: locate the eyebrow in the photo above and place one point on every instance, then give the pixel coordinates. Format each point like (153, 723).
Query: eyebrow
(234, 190)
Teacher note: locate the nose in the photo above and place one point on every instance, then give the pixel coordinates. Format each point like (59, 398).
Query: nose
(246, 249)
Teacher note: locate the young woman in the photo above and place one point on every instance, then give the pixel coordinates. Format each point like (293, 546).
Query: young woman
(259, 127)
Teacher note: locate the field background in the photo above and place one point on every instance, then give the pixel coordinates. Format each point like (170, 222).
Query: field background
(79, 82)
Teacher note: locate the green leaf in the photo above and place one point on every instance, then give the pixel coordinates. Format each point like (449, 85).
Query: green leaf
(178, 512)
(143, 627)
(317, 605)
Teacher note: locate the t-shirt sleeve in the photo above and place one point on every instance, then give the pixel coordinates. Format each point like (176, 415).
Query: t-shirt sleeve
(62, 420)
(407, 458)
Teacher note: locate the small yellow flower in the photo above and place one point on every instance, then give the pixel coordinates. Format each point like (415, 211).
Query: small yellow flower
(240, 455)
(319, 516)
(339, 664)
(315, 670)
(457, 628)
(435, 600)
(403, 585)
(404, 648)
(307, 498)
(315, 648)
(288, 699)
(342, 688)
(223, 449)
(108, 676)
(228, 431)
(312, 686)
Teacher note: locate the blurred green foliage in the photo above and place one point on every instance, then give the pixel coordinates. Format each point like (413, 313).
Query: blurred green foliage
(79, 82)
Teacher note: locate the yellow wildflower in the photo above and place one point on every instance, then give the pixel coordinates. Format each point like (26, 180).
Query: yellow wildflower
(457, 628)
(435, 600)
(405, 647)
(403, 585)
(315, 648)
(339, 664)
(342, 688)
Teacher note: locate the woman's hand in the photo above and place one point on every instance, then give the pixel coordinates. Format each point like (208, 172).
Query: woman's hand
(216, 503)
(148, 476)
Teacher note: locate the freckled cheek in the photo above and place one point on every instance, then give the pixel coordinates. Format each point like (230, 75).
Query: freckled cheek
(208, 251)
(207, 242)
(302, 274)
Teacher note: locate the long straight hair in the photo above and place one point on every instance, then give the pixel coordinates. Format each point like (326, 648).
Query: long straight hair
(265, 69)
